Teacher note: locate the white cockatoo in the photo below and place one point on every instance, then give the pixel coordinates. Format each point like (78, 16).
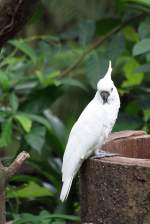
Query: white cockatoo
(91, 130)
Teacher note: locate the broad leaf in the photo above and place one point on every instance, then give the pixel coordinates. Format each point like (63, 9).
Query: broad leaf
(147, 114)
(6, 133)
(144, 29)
(4, 80)
(41, 120)
(31, 190)
(56, 124)
(45, 218)
(73, 82)
(36, 138)
(48, 79)
(142, 2)
(131, 34)
(24, 120)
(133, 78)
(13, 102)
(24, 47)
(143, 68)
(141, 47)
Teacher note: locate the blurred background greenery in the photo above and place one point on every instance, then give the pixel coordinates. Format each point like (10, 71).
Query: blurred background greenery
(47, 76)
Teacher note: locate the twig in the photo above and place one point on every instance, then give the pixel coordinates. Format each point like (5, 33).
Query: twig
(5, 174)
(16, 165)
(97, 43)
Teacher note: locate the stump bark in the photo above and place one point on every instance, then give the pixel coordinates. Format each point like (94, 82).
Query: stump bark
(116, 190)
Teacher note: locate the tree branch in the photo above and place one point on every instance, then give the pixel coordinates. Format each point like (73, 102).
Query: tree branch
(14, 14)
(5, 174)
(97, 43)
(16, 165)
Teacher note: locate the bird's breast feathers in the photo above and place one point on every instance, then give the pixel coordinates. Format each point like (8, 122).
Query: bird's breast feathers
(91, 129)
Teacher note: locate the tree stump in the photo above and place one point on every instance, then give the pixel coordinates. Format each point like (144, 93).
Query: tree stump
(116, 190)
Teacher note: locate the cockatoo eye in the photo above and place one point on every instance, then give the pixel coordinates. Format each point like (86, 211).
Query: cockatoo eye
(111, 89)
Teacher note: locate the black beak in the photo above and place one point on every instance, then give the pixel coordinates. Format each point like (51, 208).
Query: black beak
(104, 95)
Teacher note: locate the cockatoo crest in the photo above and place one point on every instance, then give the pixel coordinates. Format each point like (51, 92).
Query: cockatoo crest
(105, 84)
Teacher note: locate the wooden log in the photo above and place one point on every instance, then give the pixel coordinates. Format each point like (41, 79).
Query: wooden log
(116, 190)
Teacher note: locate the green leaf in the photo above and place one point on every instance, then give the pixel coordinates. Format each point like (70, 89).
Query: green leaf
(36, 138)
(24, 120)
(49, 79)
(3, 115)
(13, 102)
(25, 48)
(147, 115)
(57, 125)
(73, 82)
(41, 120)
(27, 218)
(31, 190)
(141, 47)
(26, 86)
(44, 218)
(105, 25)
(6, 134)
(60, 217)
(130, 34)
(4, 81)
(142, 2)
(143, 68)
(144, 29)
(133, 78)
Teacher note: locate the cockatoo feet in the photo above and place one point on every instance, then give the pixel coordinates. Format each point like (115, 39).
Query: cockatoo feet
(102, 154)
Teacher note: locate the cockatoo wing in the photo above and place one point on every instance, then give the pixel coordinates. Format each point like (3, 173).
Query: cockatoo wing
(83, 139)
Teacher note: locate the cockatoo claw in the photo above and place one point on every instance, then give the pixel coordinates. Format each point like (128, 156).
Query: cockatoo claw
(102, 154)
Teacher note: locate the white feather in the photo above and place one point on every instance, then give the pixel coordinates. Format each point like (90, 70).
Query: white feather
(66, 188)
(90, 131)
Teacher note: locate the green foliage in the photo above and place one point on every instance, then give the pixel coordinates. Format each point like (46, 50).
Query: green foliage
(31, 190)
(36, 138)
(40, 100)
(45, 218)
(133, 78)
(6, 133)
(25, 48)
(25, 121)
(142, 47)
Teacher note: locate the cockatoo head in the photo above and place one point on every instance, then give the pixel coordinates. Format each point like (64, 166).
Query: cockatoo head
(105, 86)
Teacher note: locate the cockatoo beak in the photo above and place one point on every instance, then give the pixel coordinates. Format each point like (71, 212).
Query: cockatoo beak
(104, 95)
